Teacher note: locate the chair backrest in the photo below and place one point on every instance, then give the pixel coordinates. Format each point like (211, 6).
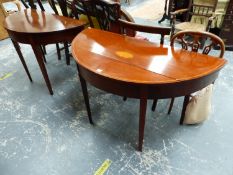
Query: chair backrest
(61, 7)
(129, 28)
(193, 41)
(203, 8)
(83, 7)
(29, 4)
(106, 12)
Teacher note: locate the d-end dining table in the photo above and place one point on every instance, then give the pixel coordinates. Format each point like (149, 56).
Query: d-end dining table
(140, 69)
(38, 28)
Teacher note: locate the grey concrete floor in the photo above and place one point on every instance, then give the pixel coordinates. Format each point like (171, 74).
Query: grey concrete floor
(42, 134)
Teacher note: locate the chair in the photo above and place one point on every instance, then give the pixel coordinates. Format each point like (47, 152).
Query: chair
(113, 18)
(62, 8)
(105, 12)
(191, 40)
(81, 9)
(199, 16)
(130, 29)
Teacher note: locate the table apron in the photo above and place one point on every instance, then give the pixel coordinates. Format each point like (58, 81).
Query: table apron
(45, 38)
(160, 91)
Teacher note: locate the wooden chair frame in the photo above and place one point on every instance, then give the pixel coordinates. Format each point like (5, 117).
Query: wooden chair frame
(191, 40)
(202, 10)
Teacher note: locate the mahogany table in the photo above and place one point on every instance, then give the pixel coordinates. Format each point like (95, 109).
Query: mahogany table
(140, 69)
(40, 28)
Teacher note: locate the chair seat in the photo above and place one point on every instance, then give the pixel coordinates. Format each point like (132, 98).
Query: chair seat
(190, 26)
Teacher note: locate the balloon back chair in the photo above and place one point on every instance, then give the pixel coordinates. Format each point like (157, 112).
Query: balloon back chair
(191, 41)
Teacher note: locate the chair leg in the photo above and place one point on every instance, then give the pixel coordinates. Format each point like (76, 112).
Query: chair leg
(171, 105)
(58, 51)
(67, 53)
(154, 104)
(185, 103)
(44, 49)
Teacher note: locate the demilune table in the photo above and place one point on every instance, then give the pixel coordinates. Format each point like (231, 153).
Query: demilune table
(140, 69)
(38, 28)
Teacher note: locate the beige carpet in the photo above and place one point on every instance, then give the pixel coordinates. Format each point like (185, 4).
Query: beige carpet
(150, 9)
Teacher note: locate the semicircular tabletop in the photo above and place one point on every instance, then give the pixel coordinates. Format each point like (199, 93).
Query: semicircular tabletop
(129, 59)
(36, 21)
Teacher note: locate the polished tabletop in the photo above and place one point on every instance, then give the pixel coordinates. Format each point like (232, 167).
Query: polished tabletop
(127, 59)
(36, 21)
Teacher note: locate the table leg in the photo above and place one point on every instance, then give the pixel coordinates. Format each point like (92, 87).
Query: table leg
(17, 48)
(39, 57)
(86, 98)
(142, 117)
(185, 103)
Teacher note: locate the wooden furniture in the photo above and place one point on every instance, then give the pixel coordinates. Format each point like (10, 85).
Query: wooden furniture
(30, 4)
(130, 29)
(200, 15)
(180, 4)
(168, 7)
(227, 26)
(62, 8)
(191, 40)
(173, 5)
(81, 9)
(105, 12)
(139, 69)
(40, 28)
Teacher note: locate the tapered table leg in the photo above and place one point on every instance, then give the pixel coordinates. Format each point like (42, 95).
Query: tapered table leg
(39, 57)
(185, 103)
(17, 48)
(142, 118)
(86, 98)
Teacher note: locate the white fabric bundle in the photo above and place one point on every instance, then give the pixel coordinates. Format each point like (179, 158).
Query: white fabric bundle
(199, 106)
